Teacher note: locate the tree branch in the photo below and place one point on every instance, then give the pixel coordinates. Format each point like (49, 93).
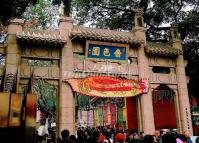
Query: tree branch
(112, 7)
(177, 12)
(155, 27)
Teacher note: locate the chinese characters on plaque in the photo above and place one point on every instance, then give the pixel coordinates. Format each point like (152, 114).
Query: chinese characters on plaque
(105, 50)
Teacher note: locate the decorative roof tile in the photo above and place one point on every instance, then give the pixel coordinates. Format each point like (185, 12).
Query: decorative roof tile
(41, 36)
(104, 35)
(163, 49)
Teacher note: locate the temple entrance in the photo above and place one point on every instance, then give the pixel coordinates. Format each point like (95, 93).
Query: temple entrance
(164, 107)
(111, 112)
(106, 101)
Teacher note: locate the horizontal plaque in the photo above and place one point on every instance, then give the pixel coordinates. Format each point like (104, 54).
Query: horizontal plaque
(106, 51)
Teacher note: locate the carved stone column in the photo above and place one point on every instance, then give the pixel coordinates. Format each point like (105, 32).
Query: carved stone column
(145, 101)
(12, 51)
(66, 98)
(183, 97)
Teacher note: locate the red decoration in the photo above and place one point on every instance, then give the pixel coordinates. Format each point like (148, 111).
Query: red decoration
(107, 86)
(113, 114)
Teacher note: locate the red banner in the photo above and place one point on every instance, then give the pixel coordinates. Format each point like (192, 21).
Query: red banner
(107, 86)
(105, 114)
(113, 114)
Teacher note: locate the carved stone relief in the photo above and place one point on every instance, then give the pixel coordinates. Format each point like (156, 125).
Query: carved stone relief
(23, 81)
(44, 72)
(95, 66)
(54, 72)
(163, 78)
(40, 52)
(78, 47)
(133, 52)
(155, 85)
(10, 82)
(45, 68)
(158, 61)
(54, 53)
(80, 64)
(47, 72)
(25, 71)
(86, 74)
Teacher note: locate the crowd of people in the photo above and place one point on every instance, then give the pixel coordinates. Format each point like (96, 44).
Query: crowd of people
(110, 135)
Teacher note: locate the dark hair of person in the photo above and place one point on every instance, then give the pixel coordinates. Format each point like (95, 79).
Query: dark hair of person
(161, 132)
(65, 133)
(80, 133)
(168, 138)
(72, 138)
(58, 140)
(148, 139)
(141, 133)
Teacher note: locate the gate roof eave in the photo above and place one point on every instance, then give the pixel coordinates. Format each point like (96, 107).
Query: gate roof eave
(41, 37)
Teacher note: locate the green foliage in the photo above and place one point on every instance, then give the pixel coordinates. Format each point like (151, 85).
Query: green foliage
(42, 15)
(189, 30)
(118, 14)
(102, 13)
(67, 5)
(12, 8)
(189, 27)
(82, 101)
(46, 96)
(195, 115)
(108, 14)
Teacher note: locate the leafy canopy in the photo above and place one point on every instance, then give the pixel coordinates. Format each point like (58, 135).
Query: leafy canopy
(42, 15)
(116, 14)
(13, 8)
